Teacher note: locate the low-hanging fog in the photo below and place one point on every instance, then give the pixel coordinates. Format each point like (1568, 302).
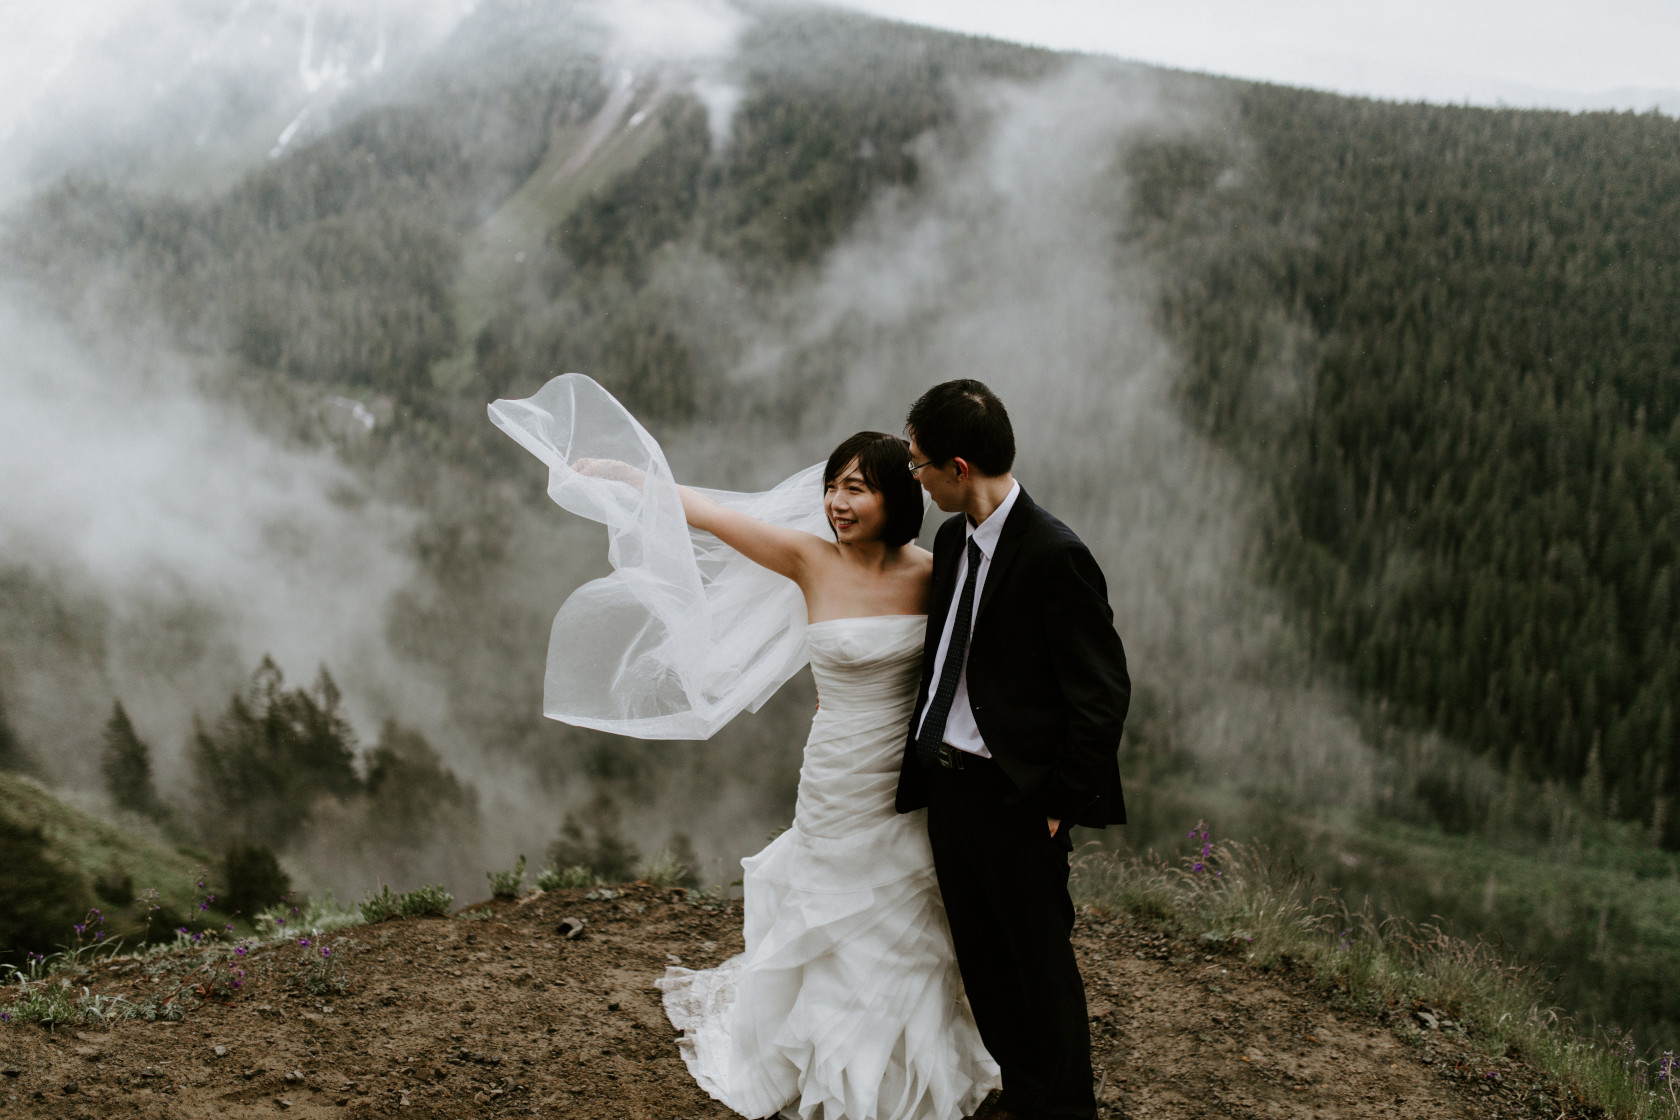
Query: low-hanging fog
(161, 532)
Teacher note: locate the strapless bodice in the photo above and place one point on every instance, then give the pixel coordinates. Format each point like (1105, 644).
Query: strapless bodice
(866, 663)
(866, 670)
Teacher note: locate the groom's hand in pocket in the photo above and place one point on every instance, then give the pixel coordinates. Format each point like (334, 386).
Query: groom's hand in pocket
(1054, 825)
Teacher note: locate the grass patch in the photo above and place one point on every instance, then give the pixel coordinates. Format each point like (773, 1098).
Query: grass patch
(1247, 900)
(424, 902)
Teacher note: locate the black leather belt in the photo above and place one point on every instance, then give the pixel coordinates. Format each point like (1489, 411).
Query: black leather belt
(953, 759)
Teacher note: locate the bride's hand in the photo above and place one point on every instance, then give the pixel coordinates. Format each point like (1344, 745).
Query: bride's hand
(610, 469)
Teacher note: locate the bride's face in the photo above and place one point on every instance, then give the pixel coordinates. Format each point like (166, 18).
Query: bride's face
(854, 508)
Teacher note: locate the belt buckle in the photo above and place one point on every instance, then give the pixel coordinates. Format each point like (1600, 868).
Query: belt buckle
(950, 757)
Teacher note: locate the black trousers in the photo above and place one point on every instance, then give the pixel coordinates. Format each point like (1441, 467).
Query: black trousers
(1004, 879)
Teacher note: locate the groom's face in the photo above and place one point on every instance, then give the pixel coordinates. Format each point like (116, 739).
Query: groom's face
(945, 483)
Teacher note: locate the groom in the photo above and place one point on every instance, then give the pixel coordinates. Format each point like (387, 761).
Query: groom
(1017, 724)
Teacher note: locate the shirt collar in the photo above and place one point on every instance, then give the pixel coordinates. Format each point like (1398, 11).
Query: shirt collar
(986, 534)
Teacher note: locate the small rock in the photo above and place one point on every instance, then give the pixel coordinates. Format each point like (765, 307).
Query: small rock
(570, 928)
(71, 1086)
(612, 1007)
(11, 1071)
(282, 1103)
(221, 1051)
(342, 1101)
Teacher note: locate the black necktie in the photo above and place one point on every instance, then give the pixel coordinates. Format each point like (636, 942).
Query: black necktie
(939, 708)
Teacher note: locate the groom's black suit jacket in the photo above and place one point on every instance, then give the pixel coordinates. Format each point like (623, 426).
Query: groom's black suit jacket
(1046, 672)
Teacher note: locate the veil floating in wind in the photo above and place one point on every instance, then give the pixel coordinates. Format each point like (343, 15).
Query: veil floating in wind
(686, 632)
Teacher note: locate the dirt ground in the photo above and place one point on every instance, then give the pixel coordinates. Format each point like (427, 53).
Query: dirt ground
(450, 1017)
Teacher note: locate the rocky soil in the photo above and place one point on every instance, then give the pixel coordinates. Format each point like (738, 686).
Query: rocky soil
(452, 1017)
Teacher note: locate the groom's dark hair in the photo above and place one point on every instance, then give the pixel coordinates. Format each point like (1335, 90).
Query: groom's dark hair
(963, 419)
(884, 462)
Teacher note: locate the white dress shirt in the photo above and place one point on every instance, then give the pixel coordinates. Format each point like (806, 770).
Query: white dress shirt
(960, 729)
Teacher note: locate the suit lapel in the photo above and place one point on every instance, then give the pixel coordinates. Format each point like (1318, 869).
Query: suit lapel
(1009, 544)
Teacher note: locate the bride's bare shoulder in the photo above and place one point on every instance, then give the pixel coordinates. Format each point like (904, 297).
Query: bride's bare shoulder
(919, 558)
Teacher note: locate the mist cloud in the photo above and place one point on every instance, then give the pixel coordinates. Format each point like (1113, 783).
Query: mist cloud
(132, 487)
(181, 92)
(1009, 265)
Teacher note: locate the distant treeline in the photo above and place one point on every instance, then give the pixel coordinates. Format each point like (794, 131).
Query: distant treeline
(1450, 339)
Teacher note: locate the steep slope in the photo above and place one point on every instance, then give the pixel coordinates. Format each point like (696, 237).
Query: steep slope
(507, 1017)
(60, 863)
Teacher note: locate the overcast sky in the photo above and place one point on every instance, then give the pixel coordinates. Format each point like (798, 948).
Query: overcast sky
(1563, 53)
(1570, 54)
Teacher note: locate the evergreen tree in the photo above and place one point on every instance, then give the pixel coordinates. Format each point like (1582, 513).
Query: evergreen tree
(127, 766)
(11, 751)
(261, 767)
(254, 878)
(594, 838)
(412, 796)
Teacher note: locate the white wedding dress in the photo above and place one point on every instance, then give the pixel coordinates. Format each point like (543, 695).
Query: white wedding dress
(847, 1002)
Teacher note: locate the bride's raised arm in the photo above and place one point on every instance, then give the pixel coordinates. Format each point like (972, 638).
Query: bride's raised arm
(788, 552)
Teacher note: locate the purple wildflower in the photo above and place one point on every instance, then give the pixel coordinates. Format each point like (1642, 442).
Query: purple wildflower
(326, 951)
(304, 941)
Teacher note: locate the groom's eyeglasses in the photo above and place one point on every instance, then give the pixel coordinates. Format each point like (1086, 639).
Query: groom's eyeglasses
(914, 467)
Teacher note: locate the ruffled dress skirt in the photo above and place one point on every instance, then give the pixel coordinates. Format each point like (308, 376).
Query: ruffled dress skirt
(847, 1003)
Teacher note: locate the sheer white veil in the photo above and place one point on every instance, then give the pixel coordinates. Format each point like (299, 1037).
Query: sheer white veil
(686, 632)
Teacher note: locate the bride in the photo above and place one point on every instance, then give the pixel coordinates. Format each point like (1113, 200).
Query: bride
(847, 1003)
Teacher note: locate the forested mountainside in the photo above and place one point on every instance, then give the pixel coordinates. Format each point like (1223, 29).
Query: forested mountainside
(1443, 341)
(1447, 337)
(1450, 340)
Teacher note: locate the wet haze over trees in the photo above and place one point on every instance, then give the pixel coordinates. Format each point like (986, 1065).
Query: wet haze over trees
(1441, 346)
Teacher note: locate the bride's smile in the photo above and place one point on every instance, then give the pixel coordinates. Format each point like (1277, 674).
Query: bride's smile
(855, 508)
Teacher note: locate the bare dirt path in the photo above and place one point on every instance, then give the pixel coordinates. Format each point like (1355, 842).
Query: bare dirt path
(507, 1017)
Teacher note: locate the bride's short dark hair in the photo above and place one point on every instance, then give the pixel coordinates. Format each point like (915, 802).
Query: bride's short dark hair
(884, 462)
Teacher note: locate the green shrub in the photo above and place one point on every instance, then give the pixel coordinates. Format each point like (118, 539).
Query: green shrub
(39, 899)
(565, 878)
(507, 884)
(667, 869)
(425, 902)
